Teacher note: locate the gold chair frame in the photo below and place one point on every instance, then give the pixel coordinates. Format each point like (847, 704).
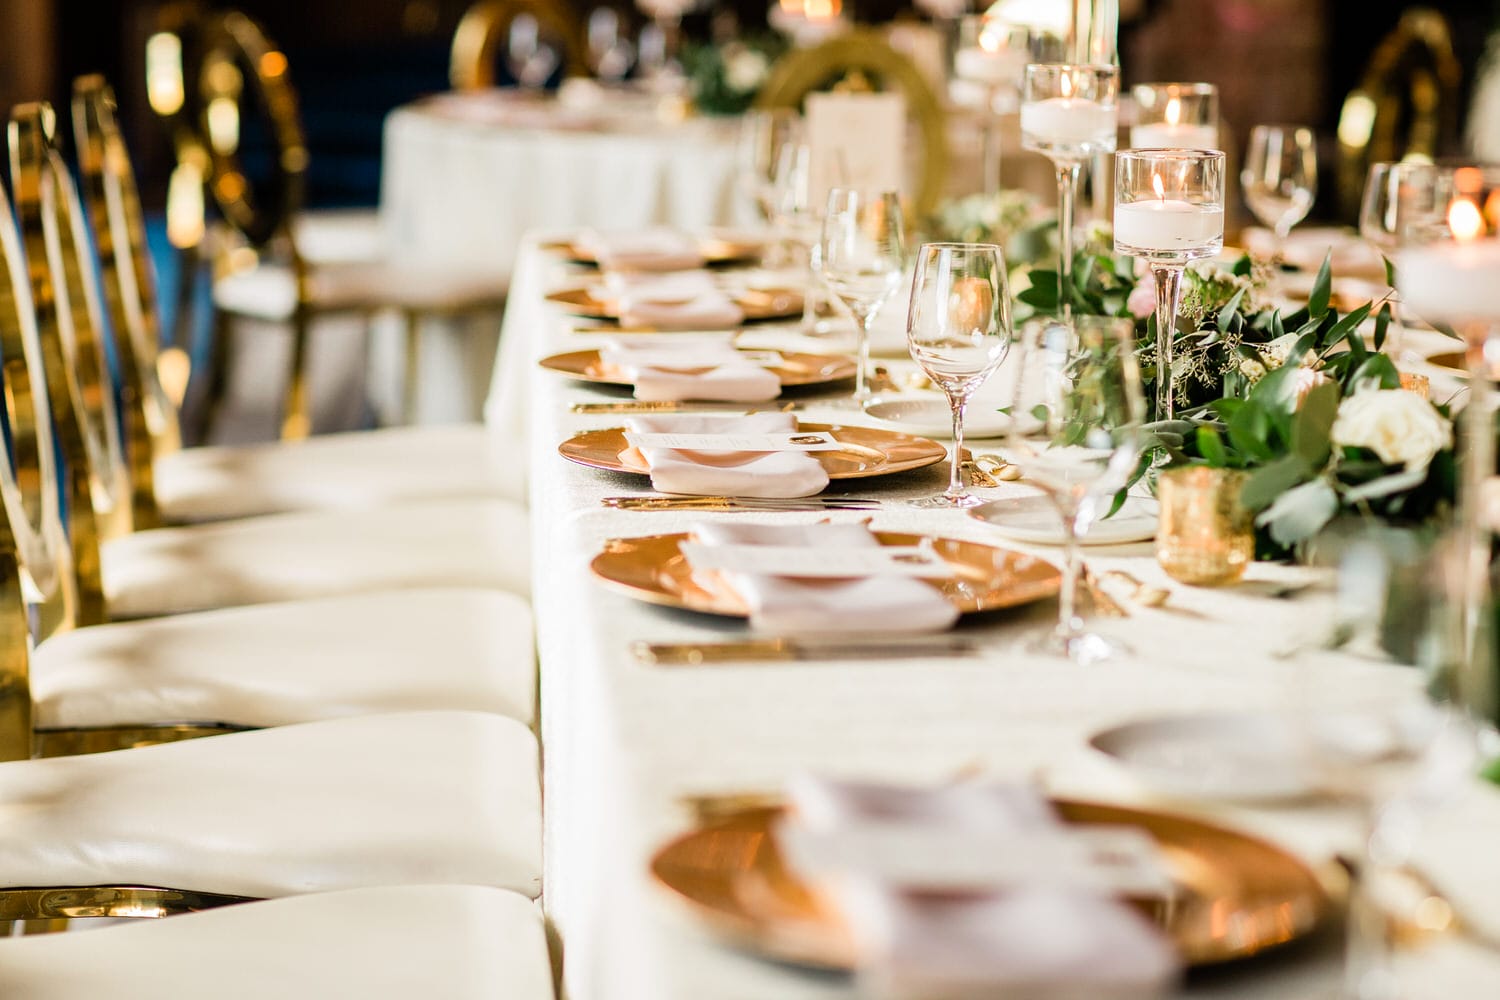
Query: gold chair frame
(471, 62)
(866, 52)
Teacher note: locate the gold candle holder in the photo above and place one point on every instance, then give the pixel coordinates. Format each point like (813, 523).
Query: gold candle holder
(1419, 384)
(1205, 536)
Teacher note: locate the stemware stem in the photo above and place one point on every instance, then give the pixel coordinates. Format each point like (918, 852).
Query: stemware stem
(1479, 467)
(862, 356)
(1067, 192)
(1168, 279)
(1068, 622)
(958, 402)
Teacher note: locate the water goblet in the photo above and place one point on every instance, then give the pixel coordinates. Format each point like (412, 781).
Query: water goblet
(958, 330)
(1400, 200)
(861, 258)
(1280, 178)
(1068, 113)
(1169, 210)
(1075, 433)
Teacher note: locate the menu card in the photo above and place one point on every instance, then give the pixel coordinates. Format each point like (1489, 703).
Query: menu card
(857, 141)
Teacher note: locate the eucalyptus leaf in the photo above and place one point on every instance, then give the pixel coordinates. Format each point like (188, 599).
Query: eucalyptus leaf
(1230, 311)
(1382, 322)
(1300, 512)
(1314, 421)
(1322, 290)
(1396, 482)
(1211, 447)
(1268, 483)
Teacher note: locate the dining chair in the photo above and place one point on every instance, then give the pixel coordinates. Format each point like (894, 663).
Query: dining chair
(108, 686)
(388, 943)
(173, 485)
(859, 59)
(464, 542)
(234, 82)
(471, 63)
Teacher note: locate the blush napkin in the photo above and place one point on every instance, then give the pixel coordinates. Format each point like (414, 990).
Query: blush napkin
(1031, 942)
(788, 606)
(680, 300)
(671, 369)
(726, 473)
(655, 249)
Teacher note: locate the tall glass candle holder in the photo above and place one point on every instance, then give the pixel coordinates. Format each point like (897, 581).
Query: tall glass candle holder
(1175, 116)
(992, 55)
(1068, 112)
(1169, 210)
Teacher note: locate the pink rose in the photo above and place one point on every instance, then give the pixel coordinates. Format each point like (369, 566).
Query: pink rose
(1306, 381)
(1142, 301)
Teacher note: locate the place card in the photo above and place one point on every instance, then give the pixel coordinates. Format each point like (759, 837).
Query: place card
(783, 441)
(1111, 860)
(821, 561)
(855, 141)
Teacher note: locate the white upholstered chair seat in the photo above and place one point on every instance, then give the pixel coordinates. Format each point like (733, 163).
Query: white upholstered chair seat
(269, 291)
(398, 943)
(336, 472)
(279, 664)
(298, 556)
(338, 235)
(403, 799)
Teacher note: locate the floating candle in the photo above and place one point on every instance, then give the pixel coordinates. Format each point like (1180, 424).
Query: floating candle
(1068, 121)
(1456, 281)
(1167, 225)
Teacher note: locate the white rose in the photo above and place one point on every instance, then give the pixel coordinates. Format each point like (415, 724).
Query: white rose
(1400, 427)
(745, 70)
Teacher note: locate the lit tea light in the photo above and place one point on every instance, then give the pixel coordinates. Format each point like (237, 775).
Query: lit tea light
(1163, 224)
(1173, 133)
(1068, 120)
(1455, 281)
(991, 61)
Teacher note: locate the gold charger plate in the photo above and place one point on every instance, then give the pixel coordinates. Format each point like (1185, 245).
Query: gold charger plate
(653, 569)
(794, 370)
(716, 250)
(756, 303)
(1238, 896)
(1453, 362)
(871, 451)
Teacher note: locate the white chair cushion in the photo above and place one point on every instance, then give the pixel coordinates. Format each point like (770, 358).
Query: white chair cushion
(337, 472)
(329, 236)
(269, 291)
(278, 664)
(453, 942)
(289, 557)
(416, 798)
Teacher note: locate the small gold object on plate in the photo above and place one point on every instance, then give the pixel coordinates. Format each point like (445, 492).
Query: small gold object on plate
(868, 451)
(1205, 536)
(1452, 362)
(783, 650)
(1237, 896)
(715, 250)
(653, 569)
(664, 406)
(756, 303)
(740, 503)
(794, 370)
(1419, 384)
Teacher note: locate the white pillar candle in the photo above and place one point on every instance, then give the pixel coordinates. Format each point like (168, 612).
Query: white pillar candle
(1166, 135)
(1451, 282)
(995, 68)
(1168, 225)
(1068, 121)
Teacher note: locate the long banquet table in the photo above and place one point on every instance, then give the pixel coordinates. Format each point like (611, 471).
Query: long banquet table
(624, 743)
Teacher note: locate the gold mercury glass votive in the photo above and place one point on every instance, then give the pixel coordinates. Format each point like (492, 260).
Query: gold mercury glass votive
(1205, 536)
(1419, 384)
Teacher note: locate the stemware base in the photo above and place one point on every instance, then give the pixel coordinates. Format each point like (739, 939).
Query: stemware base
(945, 501)
(1083, 648)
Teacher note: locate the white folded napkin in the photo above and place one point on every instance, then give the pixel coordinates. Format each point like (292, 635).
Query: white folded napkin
(678, 368)
(678, 300)
(726, 473)
(1029, 942)
(657, 249)
(788, 606)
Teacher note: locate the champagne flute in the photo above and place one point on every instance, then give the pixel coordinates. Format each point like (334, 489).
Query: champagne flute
(1280, 178)
(958, 329)
(1076, 415)
(862, 257)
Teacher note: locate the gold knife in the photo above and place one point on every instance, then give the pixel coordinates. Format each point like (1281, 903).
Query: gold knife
(782, 650)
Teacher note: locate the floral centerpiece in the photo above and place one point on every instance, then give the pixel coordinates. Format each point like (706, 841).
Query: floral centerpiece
(725, 79)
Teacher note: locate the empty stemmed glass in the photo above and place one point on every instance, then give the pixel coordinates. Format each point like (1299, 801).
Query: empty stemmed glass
(862, 257)
(958, 330)
(610, 53)
(1401, 201)
(530, 59)
(763, 135)
(1068, 113)
(1280, 178)
(1075, 433)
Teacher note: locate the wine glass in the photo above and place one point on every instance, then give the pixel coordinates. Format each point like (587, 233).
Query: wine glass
(610, 53)
(1280, 177)
(1068, 113)
(531, 60)
(958, 329)
(861, 258)
(1075, 433)
(1400, 201)
(763, 134)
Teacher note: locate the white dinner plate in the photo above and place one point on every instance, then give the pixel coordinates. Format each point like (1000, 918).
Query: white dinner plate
(932, 418)
(1034, 519)
(1261, 757)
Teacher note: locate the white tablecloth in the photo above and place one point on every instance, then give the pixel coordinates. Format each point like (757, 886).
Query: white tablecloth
(623, 742)
(458, 191)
